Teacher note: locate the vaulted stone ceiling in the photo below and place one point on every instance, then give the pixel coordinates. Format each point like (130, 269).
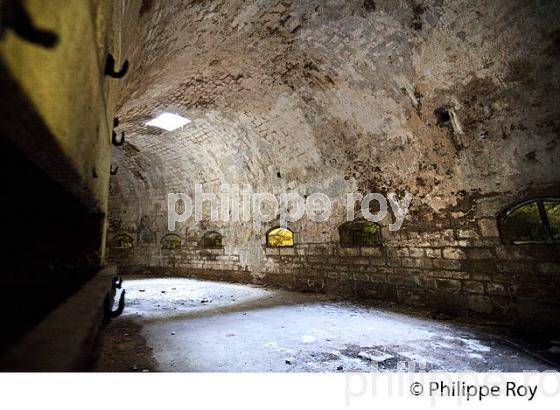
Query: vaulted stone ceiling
(334, 95)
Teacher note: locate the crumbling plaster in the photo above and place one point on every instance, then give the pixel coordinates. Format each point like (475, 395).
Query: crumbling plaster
(338, 97)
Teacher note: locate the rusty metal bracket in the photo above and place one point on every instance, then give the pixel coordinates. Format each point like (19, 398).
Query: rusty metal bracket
(110, 297)
(110, 68)
(109, 312)
(118, 143)
(13, 15)
(117, 283)
(120, 307)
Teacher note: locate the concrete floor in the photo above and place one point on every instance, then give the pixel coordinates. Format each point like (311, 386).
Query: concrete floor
(197, 326)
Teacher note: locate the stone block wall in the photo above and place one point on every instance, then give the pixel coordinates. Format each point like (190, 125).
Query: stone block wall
(455, 271)
(342, 101)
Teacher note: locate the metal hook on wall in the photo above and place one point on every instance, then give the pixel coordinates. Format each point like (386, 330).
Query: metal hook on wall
(110, 68)
(14, 15)
(109, 312)
(120, 308)
(118, 143)
(117, 282)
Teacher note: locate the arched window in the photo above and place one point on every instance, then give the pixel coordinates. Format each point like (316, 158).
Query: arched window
(171, 241)
(360, 233)
(212, 240)
(122, 241)
(279, 238)
(533, 221)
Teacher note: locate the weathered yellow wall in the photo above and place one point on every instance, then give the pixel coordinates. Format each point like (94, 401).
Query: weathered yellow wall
(69, 92)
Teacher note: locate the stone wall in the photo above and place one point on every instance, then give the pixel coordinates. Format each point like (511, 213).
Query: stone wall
(335, 97)
(456, 271)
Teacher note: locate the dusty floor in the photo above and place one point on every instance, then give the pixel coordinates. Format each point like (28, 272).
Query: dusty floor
(197, 326)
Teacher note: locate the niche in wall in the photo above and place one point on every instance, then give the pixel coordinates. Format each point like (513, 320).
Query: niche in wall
(122, 241)
(532, 221)
(171, 241)
(360, 233)
(212, 240)
(279, 238)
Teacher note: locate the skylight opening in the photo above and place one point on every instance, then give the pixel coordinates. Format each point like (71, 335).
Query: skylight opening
(168, 121)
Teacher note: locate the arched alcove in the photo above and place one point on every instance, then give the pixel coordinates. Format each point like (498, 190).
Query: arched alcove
(171, 241)
(360, 233)
(212, 240)
(279, 238)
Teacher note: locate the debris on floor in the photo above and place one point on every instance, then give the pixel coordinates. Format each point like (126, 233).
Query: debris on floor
(374, 355)
(307, 332)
